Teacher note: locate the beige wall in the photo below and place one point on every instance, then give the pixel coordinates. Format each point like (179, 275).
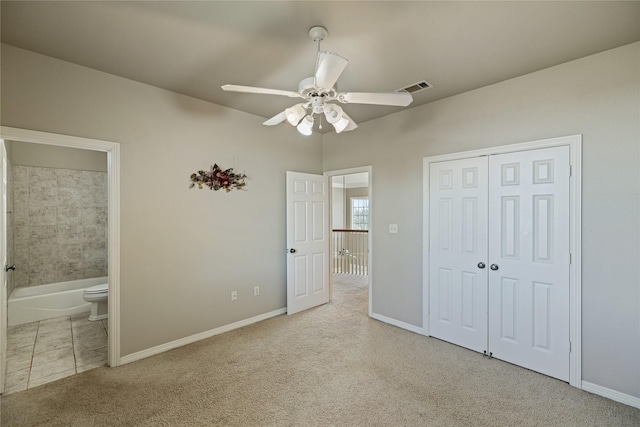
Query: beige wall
(598, 97)
(51, 156)
(182, 250)
(338, 209)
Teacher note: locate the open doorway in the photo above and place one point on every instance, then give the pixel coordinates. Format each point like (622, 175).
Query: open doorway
(57, 239)
(350, 243)
(57, 244)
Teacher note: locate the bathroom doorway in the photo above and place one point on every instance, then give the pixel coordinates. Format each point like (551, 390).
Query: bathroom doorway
(63, 195)
(351, 234)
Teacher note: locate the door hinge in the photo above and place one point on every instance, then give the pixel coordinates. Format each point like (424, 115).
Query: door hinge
(570, 170)
(569, 346)
(570, 258)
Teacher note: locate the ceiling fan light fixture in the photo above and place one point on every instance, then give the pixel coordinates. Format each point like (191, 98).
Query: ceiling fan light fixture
(333, 113)
(306, 125)
(335, 116)
(341, 124)
(295, 114)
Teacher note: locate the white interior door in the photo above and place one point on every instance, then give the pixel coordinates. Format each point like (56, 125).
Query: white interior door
(3, 263)
(529, 259)
(307, 241)
(458, 252)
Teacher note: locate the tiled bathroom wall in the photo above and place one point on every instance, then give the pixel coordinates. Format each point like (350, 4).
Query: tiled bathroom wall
(60, 225)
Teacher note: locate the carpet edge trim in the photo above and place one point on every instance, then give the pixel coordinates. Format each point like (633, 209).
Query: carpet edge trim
(617, 396)
(198, 337)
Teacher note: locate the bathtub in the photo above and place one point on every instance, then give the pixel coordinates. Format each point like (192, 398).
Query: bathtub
(33, 303)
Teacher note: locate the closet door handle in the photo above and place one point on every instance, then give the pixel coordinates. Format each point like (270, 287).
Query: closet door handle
(481, 265)
(494, 267)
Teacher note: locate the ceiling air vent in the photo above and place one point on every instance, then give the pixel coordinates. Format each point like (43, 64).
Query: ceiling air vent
(417, 87)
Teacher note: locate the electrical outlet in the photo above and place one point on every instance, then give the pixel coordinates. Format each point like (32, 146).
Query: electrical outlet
(234, 295)
(393, 228)
(256, 291)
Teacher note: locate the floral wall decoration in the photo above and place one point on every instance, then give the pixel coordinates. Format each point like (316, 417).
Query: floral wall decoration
(217, 179)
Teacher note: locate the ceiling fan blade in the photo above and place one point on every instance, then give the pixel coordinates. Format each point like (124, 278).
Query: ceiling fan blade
(328, 68)
(400, 99)
(260, 90)
(276, 120)
(352, 125)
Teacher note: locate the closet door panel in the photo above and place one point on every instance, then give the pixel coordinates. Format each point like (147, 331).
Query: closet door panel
(457, 244)
(529, 259)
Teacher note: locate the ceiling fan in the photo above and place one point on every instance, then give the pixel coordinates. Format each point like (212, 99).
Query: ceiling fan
(319, 90)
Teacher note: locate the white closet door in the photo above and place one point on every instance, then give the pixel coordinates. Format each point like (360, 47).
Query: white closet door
(529, 259)
(458, 244)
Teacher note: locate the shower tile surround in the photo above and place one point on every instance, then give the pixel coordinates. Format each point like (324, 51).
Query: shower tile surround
(59, 225)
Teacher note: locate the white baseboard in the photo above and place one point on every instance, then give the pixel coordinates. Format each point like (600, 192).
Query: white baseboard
(398, 323)
(611, 394)
(197, 337)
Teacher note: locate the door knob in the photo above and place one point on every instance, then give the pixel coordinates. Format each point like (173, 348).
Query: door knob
(494, 267)
(9, 267)
(481, 265)
(293, 251)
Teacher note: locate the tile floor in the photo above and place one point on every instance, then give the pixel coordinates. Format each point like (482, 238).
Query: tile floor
(45, 351)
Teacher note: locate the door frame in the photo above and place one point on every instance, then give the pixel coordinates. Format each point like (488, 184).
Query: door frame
(112, 149)
(5, 261)
(350, 171)
(574, 142)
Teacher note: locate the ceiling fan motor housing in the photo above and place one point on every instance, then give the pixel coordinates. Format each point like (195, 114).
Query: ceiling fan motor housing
(307, 89)
(317, 104)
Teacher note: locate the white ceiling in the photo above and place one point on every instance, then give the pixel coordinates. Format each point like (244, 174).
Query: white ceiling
(195, 47)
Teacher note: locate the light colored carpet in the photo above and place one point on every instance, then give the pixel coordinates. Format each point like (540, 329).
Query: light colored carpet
(331, 365)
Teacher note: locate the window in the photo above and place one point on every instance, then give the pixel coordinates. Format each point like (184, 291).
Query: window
(359, 213)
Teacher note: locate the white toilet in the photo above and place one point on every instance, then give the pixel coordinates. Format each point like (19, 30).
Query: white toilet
(98, 296)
